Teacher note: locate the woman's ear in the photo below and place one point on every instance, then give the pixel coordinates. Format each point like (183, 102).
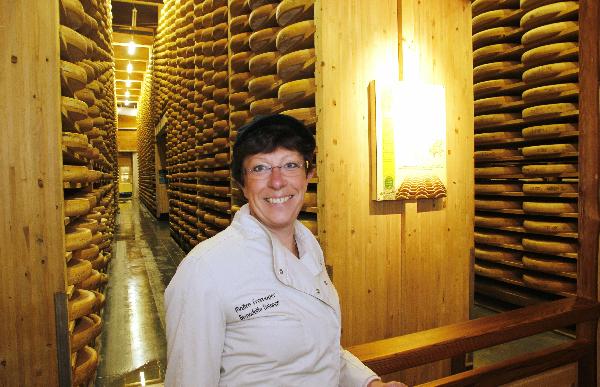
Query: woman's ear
(310, 174)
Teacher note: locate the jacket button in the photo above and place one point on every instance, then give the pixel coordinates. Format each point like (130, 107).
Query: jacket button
(280, 271)
(318, 291)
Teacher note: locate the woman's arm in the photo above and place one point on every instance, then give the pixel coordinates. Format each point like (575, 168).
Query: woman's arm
(354, 373)
(195, 326)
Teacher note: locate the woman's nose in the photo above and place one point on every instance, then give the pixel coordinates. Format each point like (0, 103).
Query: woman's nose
(276, 178)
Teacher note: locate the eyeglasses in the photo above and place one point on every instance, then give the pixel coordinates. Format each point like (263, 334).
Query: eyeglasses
(289, 169)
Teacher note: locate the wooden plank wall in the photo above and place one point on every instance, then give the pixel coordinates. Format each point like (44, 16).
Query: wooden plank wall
(127, 140)
(397, 270)
(31, 239)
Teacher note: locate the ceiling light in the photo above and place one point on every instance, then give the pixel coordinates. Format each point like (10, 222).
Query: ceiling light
(126, 103)
(128, 83)
(127, 94)
(131, 47)
(129, 67)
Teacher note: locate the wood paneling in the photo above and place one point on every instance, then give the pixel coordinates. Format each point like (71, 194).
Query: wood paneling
(31, 244)
(127, 140)
(397, 270)
(126, 122)
(589, 168)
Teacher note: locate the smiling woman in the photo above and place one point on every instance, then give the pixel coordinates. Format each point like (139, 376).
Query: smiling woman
(254, 305)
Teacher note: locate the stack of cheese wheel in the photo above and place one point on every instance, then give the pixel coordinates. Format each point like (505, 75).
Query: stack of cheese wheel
(89, 164)
(497, 79)
(296, 75)
(264, 85)
(147, 145)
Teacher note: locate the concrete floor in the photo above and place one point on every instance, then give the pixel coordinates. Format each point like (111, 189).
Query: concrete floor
(133, 344)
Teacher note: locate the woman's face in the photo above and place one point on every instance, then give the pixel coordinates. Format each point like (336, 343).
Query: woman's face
(276, 198)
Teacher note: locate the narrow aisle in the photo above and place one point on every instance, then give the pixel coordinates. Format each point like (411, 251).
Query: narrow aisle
(133, 345)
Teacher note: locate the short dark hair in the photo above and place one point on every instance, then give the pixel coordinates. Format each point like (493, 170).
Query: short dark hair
(264, 134)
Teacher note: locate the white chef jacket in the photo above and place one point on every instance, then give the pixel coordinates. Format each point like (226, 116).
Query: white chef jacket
(242, 310)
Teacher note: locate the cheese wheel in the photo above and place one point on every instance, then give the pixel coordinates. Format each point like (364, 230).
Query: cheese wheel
(80, 303)
(550, 130)
(297, 36)
(221, 111)
(264, 40)
(530, 4)
(550, 149)
(491, 254)
(308, 116)
(266, 106)
(496, 18)
(239, 62)
(497, 70)
(86, 95)
(72, 76)
(293, 11)
(495, 137)
(498, 52)
(551, 93)
(549, 227)
(240, 42)
(497, 171)
(220, 79)
(498, 87)
(497, 35)
(99, 263)
(72, 13)
(549, 189)
(220, 63)
(550, 284)
(265, 86)
(219, 31)
(549, 169)
(76, 207)
(88, 253)
(554, 265)
(73, 110)
(496, 221)
(480, 6)
(550, 13)
(310, 199)
(297, 65)
(492, 120)
(490, 188)
(264, 64)
(495, 271)
(567, 31)
(73, 45)
(86, 329)
(77, 270)
(551, 53)
(75, 140)
(75, 173)
(239, 24)
(239, 118)
(298, 93)
(219, 47)
(549, 111)
(552, 73)
(263, 17)
(496, 154)
(487, 204)
(90, 224)
(496, 238)
(237, 100)
(549, 246)
(92, 282)
(85, 365)
(239, 81)
(238, 7)
(98, 238)
(550, 208)
(220, 95)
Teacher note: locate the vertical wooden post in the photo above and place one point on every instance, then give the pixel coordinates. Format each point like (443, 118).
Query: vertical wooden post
(589, 168)
(32, 265)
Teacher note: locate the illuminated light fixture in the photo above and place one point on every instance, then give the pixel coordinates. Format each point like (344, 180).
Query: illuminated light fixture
(128, 82)
(129, 67)
(408, 136)
(126, 102)
(127, 94)
(142, 379)
(131, 45)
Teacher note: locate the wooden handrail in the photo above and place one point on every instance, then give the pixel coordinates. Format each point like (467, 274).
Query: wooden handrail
(517, 367)
(415, 349)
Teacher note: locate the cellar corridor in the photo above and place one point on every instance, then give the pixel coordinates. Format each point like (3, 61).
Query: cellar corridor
(133, 345)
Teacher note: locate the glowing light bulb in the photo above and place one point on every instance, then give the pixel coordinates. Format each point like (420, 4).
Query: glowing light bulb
(128, 83)
(131, 47)
(126, 103)
(129, 67)
(127, 94)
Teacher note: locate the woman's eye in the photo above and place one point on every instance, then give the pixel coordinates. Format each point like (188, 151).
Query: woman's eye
(291, 165)
(260, 168)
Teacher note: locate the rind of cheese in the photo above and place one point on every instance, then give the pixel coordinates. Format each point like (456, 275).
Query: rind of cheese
(497, 52)
(266, 106)
(550, 284)
(549, 189)
(496, 18)
(77, 271)
(86, 329)
(264, 64)
(549, 227)
(549, 246)
(265, 86)
(553, 73)
(548, 111)
(297, 65)
(297, 36)
(496, 238)
(496, 154)
(549, 149)
(491, 254)
(497, 35)
(496, 187)
(298, 93)
(567, 31)
(491, 120)
(549, 130)
(549, 53)
(495, 271)
(293, 11)
(493, 137)
(308, 115)
(550, 208)
(85, 365)
(88, 253)
(496, 221)
(80, 303)
(497, 171)
(263, 17)
(551, 93)
(549, 169)
(480, 6)
(264, 40)
(549, 264)
(77, 238)
(495, 103)
(486, 204)
(550, 13)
